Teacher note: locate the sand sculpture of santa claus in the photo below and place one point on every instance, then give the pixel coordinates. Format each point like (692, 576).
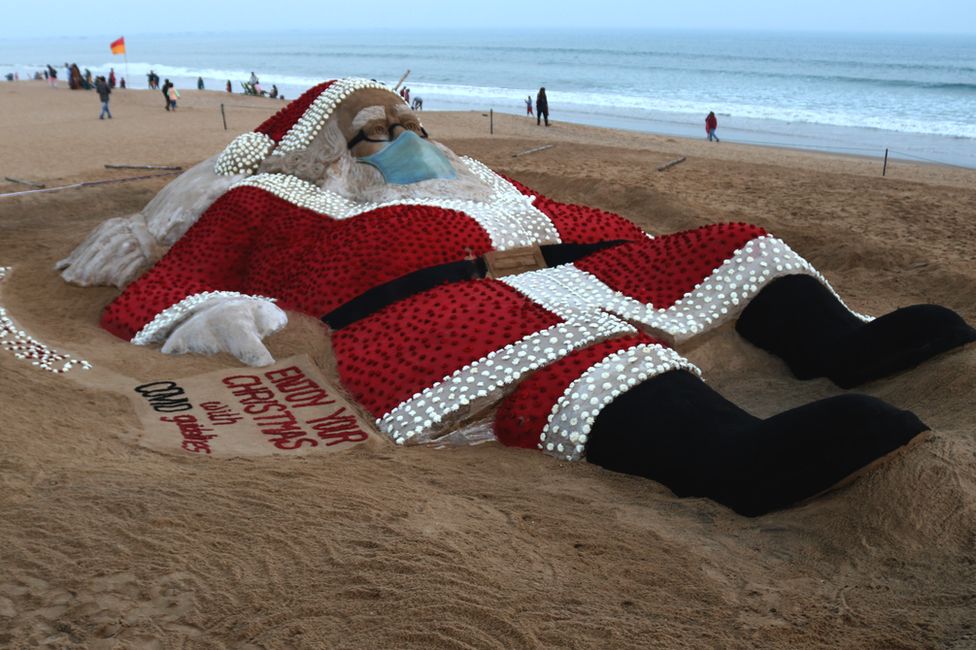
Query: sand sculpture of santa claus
(454, 293)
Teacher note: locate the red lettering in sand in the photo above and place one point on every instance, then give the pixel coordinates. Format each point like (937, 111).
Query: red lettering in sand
(193, 432)
(273, 415)
(242, 380)
(337, 428)
(298, 389)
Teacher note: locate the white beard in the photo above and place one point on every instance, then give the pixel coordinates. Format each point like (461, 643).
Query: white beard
(364, 184)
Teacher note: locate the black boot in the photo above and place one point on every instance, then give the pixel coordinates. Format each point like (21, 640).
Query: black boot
(676, 430)
(801, 321)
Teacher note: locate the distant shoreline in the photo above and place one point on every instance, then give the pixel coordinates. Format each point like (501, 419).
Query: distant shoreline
(33, 108)
(838, 92)
(847, 141)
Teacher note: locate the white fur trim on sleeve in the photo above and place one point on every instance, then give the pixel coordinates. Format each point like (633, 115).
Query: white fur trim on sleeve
(159, 327)
(244, 154)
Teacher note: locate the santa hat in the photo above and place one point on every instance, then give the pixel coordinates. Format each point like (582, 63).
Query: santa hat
(292, 128)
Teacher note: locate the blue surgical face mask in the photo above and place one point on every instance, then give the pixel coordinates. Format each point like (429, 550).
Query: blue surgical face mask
(410, 159)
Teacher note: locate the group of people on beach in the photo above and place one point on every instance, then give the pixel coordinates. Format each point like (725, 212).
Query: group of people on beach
(75, 78)
(253, 87)
(416, 105)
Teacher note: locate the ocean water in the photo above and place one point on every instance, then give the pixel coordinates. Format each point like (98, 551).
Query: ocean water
(860, 94)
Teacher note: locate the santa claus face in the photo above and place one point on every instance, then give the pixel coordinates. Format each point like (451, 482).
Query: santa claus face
(380, 131)
(370, 119)
(361, 154)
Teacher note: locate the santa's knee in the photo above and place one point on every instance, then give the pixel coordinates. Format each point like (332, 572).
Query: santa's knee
(554, 409)
(633, 405)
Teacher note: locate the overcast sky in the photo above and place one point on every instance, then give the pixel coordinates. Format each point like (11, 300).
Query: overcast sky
(57, 17)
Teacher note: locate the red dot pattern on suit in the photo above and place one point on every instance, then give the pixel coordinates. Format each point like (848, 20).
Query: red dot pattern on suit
(660, 271)
(407, 346)
(254, 242)
(212, 256)
(278, 124)
(581, 224)
(523, 414)
(377, 247)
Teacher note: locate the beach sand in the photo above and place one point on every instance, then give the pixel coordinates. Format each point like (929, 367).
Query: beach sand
(108, 544)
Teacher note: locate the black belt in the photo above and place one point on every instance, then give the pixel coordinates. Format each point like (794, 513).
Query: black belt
(419, 281)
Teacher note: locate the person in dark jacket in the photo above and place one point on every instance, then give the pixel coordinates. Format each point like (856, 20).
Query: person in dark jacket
(541, 107)
(101, 87)
(711, 123)
(165, 91)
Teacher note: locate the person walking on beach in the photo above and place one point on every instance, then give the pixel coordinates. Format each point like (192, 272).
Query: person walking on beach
(165, 91)
(199, 83)
(528, 105)
(230, 88)
(541, 107)
(111, 78)
(103, 90)
(52, 76)
(172, 95)
(711, 123)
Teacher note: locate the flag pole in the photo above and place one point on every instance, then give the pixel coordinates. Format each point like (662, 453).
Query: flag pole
(125, 56)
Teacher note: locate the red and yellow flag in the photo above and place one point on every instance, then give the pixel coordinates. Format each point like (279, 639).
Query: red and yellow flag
(118, 47)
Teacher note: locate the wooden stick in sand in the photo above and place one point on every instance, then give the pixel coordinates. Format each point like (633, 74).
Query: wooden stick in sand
(172, 168)
(533, 150)
(87, 184)
(397, 86)
(23, 182)
(671, 164)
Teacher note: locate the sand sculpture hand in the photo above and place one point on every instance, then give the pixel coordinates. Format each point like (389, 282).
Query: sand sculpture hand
(233, 325)
(116, 252)
(120, 249)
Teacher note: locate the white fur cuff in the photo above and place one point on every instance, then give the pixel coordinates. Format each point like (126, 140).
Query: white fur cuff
(244, 154)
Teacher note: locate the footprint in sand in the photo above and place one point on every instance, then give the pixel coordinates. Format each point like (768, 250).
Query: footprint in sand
(112, 611)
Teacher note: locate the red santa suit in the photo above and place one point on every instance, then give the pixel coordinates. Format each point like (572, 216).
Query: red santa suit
(543, 350)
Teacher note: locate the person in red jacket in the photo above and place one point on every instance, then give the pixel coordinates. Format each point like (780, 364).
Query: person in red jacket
(711, 123)
(457, 298)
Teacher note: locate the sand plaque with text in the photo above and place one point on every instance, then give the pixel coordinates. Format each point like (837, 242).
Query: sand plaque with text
(288, 408)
